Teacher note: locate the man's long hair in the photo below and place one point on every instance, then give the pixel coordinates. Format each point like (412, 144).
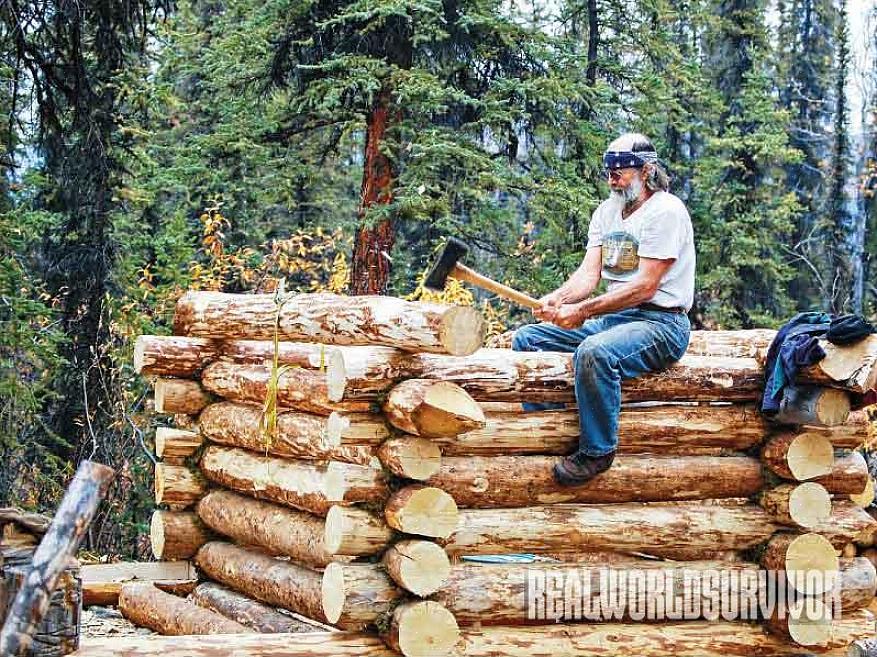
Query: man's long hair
(657, 179)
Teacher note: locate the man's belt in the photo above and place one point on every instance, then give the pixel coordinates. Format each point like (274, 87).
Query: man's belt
(662, 309)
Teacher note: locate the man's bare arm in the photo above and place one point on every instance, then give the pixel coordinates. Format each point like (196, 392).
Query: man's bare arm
(585, 279)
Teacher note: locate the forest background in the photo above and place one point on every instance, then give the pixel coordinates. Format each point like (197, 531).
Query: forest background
(150, 147)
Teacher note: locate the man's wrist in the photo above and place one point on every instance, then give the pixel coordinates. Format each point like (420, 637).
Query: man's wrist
(583, 310)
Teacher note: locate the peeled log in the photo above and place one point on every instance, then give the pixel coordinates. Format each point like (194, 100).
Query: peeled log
(176, 535)
(276, 529)
(421, 567)
(172, 355)
(422, 510)
(356, 595)
(857, 583)
(806, 505)
(866, 497)
(848, 523)
(805, 621)
(178, 486)
(848, 476)
(355, 532)
(422, 629)
(241, 609)
(297, 435)
(800, 554)
(146, 606)
(355, 373)
(744, 343)
(411, 457)
(181, 396)
(278, 583)
(332, 319)
(813, 406)
(610, 527)
(176, 445)
(798, 456)
(305, 485)
(432, 409)
(515, 481)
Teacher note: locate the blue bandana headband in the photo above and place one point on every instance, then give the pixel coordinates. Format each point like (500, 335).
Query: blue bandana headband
(623, 159)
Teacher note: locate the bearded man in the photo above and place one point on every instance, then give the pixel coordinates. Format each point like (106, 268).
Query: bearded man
(640, 241)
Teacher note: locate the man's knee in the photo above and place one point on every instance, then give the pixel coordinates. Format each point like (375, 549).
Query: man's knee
(592, 353)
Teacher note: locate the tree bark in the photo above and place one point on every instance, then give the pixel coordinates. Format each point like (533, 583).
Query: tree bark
(269, 580)
(355, 596)
(857, 583)
(612, 527)
(102, 583)
(172, 355)
(176, 535)
(297, 435)
(182, 396)
(332, 319)
(146, 606)
(274, 528)
(356, 532)
(176, 445)
(432, 409)
(246, 611)
(422, 510)
(305, 485)
(411, 457)
(516, 481)
(420, 567)
(177, 486)
(422, 629)
(52, 556)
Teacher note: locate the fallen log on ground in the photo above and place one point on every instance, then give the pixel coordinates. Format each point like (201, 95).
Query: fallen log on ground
(147, 606)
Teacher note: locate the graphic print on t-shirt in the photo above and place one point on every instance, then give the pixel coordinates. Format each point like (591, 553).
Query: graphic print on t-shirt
(620, 253)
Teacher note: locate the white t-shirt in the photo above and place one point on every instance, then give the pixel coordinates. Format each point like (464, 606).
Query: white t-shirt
(660, 228)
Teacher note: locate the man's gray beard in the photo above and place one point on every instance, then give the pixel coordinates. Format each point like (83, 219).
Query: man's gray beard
(627, 196)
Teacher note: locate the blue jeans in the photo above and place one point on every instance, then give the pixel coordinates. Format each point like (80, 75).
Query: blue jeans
(607, 349)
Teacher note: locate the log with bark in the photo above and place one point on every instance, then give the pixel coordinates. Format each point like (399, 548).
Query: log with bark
(644, 528)
(798, 456)
(147, 606)
(422, 510)
(53, 555)
(809, 561)
(356, 532)
(515, 481)
(411, 457)
(420, 567)
(813, 406)
(857, 583)
(176, 535)
(305, 485)
(848, 523)
(276, 529)
(176, 445)
(264, 578)
(102, 582)
(180, 396)
(239, 608)
(332, 319)
(432, 409)
(422, 629)
(806, 622)
(178, 486)
(355, 596)
(806, 505)
(296, 435)
(173, 355)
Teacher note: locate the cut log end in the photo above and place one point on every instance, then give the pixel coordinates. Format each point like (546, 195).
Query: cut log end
(411, 457)
(357, 532)
(420, 567)
(807, 554)
(802, 457)
(423, 629)
(809, 622)
(422, 510)
(433, 409)
(333, 592)
(462, 331)
(809, 504)
(864, 498)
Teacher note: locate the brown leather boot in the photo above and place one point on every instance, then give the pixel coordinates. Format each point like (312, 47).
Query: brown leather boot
(579, 468)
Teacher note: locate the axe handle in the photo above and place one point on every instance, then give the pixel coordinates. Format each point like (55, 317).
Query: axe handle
(463, 273)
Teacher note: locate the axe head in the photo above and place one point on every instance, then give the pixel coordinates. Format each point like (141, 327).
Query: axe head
(453, 252)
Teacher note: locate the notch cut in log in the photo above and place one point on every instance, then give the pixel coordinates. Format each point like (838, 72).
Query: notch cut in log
(274, 528)
(52, 556)
(800, 554)
(304, 485)
(813, 406)
(147, 606)
(355, 596)
(411, 457)
(178, 486)
(176, 445)
(806, 505)
(332, 319)
(102, 582)
(420, 567)
(255, 615)
(422, 510)
(432, 409)
(180, 396)
(176, 535)
(355, 532)
(422, 629)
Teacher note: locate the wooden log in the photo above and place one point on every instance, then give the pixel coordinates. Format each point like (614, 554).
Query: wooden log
(806, 622)
(813, 406)
(180, 396)
(356, 532)
(432, 409)
(176, 445)
(853, 433)
(799, 555)
(356, 373)
(176, 535)
(51, 558)
(357, 428)
(172, 355)
(848, 523)
(515, 481)
(422, 629)
(853, 367)
(264, 578)
(276, 529)
(147, 606)
(355, 596)
(246, 611)
(305, 485)
(744, 343)
(102, 582)
(332, 319)
(857, 583)
(422, 510)
(798, 456)
(610, 527)
(421, 567)
(849, 475)
(178, 486)
(866, 497)
(296, 435)
(806, 505)
(411, 457)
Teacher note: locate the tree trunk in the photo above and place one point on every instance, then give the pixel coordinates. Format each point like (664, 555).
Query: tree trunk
(176, 445)
(422, 629)
(613, 527)
(257, 575)
(420, 567)
(422, 510)
(296, 435)
(53, 555)
(357, 595)
(146, 606)
(249, 613)
(176, 535)
(805, 506)
(178, 486)
(274, 528)
(411, 457)
(305, 485)
(102, 583)
(432, 409)
(332, 319)
(356, 532)
(516, 481)
(180, 396)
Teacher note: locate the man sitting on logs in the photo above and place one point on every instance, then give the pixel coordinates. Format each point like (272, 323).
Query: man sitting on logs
(640, 240)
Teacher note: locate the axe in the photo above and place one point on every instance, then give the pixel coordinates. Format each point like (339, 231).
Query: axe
(448, 265)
